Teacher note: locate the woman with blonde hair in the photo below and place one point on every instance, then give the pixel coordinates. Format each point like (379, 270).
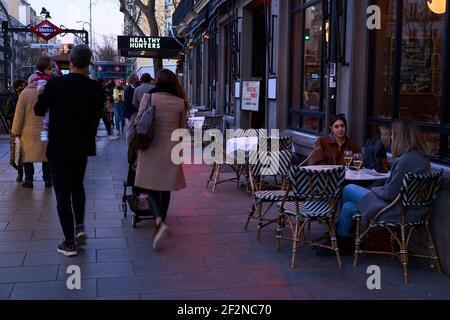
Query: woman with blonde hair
(156, 173)
(409, 152)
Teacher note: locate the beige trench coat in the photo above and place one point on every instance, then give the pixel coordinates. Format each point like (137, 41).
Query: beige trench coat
(29, 126)
(155, 169)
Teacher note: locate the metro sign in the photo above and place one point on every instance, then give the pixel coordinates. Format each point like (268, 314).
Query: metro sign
(46, 30)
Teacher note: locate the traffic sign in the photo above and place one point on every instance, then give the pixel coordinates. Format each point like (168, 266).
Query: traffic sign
(45, 46)
(46, 30)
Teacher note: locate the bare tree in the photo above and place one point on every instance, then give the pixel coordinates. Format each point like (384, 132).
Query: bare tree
(107, 51)
(149, 12)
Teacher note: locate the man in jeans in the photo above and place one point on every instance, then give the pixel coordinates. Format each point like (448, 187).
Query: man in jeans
(75, 103)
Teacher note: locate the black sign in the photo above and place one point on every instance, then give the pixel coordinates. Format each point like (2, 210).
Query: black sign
(150, 47)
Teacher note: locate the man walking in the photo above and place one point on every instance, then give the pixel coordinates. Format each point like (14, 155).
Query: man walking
(139, 92)
(75, 103)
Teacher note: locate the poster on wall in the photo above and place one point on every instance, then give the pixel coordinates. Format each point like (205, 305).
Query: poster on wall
(250, 95)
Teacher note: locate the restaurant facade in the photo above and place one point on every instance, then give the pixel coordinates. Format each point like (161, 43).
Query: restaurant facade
(301, 61)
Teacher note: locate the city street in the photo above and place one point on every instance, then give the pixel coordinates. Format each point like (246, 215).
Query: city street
(207, 254)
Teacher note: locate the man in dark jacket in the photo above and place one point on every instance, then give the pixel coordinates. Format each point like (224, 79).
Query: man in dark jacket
(75, 103)
(133, 82)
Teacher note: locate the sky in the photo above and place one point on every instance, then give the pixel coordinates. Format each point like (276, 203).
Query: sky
(106, 18)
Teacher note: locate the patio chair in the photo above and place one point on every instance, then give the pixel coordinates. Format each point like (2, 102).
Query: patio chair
(260, 166)
(218, 168)
(418, 191)
(316, 196)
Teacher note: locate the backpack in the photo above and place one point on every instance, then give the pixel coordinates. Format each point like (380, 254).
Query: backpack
(375, 155)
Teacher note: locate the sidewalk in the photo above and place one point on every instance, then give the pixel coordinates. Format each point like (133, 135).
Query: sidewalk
(207, 254)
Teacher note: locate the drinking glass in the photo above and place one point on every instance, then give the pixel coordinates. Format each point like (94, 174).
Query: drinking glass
(358, 161)
(348, 157)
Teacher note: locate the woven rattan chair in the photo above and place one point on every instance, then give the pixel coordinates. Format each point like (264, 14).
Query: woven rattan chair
(260, 166)
(316, 195)
(418, 191)
(238, 169)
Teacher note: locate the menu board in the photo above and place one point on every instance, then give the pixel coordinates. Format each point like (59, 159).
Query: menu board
(417, 65)
(250, 95)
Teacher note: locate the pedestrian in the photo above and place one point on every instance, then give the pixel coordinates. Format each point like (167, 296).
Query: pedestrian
(75, 103)
(119, 119)
(28, 126)
(106, 118)
(133, 82)
(10, 110)
(139, 92)
(156, 172)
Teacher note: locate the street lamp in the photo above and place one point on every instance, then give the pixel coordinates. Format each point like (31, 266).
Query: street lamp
(45, 13)
(91, 40)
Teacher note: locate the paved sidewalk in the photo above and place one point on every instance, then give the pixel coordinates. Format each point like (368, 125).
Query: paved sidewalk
(207, 255)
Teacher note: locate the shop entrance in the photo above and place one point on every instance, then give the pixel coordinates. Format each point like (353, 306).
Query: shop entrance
(259, 53)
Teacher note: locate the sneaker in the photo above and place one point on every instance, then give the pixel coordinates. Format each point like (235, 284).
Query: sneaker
(80, 235)
(160, 235)
(68, 249)
(113, 137)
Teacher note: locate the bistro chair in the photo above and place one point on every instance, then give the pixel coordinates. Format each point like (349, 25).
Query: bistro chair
(275, 163)
(237, 169)
(417, 192)
(316, 194)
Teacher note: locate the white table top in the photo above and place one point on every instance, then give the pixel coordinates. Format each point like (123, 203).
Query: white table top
(196, 122)
(352, 175)
(242, 143)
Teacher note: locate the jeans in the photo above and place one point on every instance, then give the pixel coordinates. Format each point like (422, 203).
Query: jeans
(159, 203)
(29, 171)
(351, 195)
(68, 176)
(119, 117)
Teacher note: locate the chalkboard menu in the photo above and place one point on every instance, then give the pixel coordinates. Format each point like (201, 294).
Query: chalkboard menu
(417, 65)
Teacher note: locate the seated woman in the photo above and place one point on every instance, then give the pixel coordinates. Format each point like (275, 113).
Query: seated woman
(409, 150)
(329, 150)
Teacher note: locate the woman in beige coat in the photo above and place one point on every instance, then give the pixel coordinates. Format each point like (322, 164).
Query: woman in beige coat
(156, 172)
(27, 126)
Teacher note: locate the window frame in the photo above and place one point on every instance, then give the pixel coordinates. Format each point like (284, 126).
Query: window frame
(443, 127)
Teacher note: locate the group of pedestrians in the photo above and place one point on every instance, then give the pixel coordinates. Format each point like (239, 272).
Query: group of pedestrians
(68, 110)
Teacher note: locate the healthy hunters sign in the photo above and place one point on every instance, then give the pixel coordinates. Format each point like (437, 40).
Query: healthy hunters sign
(137, 46)
(46, 30)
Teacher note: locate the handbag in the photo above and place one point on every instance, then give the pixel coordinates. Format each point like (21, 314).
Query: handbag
(18, 154)
(144, 127)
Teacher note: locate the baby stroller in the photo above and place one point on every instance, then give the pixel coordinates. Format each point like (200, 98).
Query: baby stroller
(131, 200)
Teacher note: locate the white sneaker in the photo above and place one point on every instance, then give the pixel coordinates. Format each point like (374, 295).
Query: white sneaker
(160, 236)
(113, 137)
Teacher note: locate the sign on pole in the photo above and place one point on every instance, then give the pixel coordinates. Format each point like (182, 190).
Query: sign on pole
(250, 95)
(45, 46)
(46, 30)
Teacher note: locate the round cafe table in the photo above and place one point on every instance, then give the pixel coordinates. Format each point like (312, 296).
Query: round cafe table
(352, 175)
(196, 122)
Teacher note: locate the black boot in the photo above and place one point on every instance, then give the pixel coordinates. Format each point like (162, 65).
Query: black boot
(19, 177)
(27, 184)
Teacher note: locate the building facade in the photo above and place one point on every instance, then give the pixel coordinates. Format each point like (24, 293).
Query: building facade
(372, 60)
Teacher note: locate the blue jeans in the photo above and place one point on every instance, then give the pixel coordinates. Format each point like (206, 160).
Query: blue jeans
(119, 117)
(351, 195)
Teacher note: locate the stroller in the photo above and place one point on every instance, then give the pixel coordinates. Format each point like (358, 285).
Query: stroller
(131, 200)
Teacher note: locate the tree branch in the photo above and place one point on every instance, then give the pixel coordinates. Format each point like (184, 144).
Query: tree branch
(128, 15)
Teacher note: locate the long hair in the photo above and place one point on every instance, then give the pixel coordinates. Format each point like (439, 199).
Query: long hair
(406, 137)
(167, 80)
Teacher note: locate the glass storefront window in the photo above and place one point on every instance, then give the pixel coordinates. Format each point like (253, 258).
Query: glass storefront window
(421, 62)
(383, 61)
(312, 57)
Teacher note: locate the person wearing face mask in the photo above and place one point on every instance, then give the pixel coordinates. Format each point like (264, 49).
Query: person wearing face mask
(10, 110)
(329, 150)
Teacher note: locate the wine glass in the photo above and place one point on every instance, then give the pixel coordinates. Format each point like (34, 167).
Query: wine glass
(358, 161)
(348, 157)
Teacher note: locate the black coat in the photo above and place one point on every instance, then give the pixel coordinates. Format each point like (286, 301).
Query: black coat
(75, 103)
(128, 101)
